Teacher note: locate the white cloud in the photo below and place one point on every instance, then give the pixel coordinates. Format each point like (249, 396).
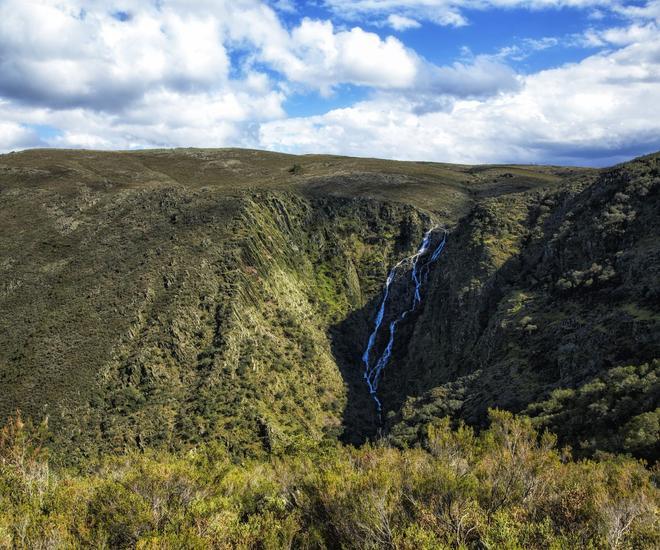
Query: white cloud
(287, 6)
(16, 136)
(71, 53)
(162, 118)
(58, 54)
(321, 56)
(650, 10)
(132, 73)
(623, 36)
(592, 112)
(526, 47)
(402, 23)
(482, 76)
(125, 73)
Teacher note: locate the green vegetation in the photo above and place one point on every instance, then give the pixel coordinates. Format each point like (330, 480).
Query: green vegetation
(617, 410)
(295, 169)
(541, 294)
(179, 316)
(509, 487)
(162, 298)
(191, 324)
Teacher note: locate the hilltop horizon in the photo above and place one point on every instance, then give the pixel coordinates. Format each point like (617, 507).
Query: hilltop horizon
(315, 154)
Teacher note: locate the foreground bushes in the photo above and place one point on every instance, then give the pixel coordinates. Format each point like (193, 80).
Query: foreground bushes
(505, 488)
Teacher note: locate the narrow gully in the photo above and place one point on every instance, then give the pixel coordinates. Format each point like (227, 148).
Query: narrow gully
(421, 263)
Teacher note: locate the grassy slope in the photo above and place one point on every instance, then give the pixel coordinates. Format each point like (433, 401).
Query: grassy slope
(430, 186)
(155, 297)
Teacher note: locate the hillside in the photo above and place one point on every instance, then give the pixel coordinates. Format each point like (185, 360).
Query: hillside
(547, 304)
(184, 335)
(165, 298)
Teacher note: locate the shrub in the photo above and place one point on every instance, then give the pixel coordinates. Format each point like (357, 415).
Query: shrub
(508, 487)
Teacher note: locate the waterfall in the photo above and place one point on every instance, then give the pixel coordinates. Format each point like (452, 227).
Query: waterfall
(420, 263)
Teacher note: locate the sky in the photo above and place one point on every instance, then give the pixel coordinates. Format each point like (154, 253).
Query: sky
(469, 81)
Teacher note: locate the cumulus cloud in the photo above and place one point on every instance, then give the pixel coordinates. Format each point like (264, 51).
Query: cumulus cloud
(649, 10)
(527, 47)
(287, 6)
(104, 55)
(65, 55)
(322, 56)
(592, 112)
(620, 36)
(481, 77)
(125, 73)
(162, 118)
(16, 136)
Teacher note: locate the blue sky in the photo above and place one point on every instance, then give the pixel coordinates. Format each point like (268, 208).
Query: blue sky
(539, 81)
(486, 32)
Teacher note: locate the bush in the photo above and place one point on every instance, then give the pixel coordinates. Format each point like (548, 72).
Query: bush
(508, 487)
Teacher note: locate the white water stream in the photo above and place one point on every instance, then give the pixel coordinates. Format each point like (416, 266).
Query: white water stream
(420, 263)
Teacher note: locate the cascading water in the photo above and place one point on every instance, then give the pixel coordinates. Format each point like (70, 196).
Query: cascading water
(373, 370)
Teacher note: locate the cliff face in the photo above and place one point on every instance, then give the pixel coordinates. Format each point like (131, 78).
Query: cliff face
(165, 298)
(540, 295)
(186, 316)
